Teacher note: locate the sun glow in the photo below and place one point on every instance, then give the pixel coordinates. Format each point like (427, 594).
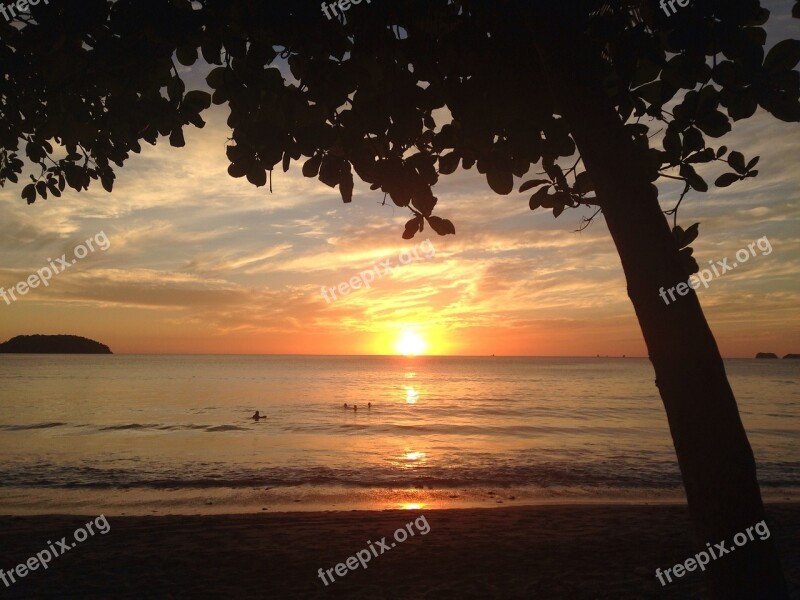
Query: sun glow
(410, 344)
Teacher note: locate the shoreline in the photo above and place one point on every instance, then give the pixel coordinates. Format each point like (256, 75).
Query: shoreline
(30, 501)
(570, 551)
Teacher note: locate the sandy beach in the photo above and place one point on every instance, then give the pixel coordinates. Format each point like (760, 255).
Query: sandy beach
(575, 552)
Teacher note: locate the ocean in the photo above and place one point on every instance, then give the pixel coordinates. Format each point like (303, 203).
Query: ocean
(150, 434)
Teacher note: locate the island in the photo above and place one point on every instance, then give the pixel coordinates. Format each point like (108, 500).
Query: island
(792, 356)
(766, 355)
(53, 344)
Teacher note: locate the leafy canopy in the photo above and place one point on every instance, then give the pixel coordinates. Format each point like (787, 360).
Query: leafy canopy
(400, 92)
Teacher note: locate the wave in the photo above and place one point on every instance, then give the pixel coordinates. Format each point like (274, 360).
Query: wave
(33, 426)
(554, 475)
(125, 427)
(227, 428)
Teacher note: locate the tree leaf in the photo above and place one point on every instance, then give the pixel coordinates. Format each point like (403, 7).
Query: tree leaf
(727, 179)
(448, 163)
(714, 123)
(175, 88)
(311, 166)
(216, 78)
(784, 56)
(736, 160)
(238, 169)
(53, 187)
(501, 181)
(29, 193)
(196, 101)
(690, 234)
(583, 183)
(176, 138)
(412, 227)
(694, 180)
(257, 175)
(672, 143)
(329, 172)
(107, 181)
(346, 186)
(705, 156)
(532, 184)
(441, 226)
(693, 141)
(538, 197)
(186, 55)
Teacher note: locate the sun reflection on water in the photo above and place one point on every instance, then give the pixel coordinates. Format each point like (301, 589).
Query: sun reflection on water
(411, 395)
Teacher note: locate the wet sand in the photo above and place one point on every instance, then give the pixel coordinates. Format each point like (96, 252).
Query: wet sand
(570, 552)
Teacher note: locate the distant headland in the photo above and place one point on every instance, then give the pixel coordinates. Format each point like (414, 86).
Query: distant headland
(773, 355)
(53, 344)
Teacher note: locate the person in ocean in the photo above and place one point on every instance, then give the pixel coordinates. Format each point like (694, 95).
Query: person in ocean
(355, 407)
(257, 416)
(369, 405)
(345, 404)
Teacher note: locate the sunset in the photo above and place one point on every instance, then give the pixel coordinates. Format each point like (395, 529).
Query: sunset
(360, 299)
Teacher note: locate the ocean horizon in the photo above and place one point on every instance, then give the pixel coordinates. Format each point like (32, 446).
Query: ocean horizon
(173, 434)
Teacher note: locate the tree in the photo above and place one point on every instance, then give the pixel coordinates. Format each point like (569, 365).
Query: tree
(513, 83)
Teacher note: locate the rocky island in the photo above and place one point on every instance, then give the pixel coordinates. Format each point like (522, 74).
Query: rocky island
(53, 344)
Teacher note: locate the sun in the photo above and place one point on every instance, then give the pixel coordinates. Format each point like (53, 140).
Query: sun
(410, 344)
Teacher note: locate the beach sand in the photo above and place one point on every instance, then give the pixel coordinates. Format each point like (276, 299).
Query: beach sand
(570, 552)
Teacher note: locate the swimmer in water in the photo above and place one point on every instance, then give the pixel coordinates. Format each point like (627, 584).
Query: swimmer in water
(369, 405)
(345, 404)
(355, 407)
(257, 416)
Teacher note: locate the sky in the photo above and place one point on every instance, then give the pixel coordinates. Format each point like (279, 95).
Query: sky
(199, 262)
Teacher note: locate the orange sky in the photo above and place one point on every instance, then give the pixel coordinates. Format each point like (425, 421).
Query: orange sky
(199, 262)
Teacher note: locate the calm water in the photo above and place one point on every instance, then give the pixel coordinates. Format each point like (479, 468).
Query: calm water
(141, 434)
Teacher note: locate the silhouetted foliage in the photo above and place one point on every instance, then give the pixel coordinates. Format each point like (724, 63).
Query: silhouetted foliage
(87, 82)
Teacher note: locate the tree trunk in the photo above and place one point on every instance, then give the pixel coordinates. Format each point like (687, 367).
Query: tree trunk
(714, 455)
